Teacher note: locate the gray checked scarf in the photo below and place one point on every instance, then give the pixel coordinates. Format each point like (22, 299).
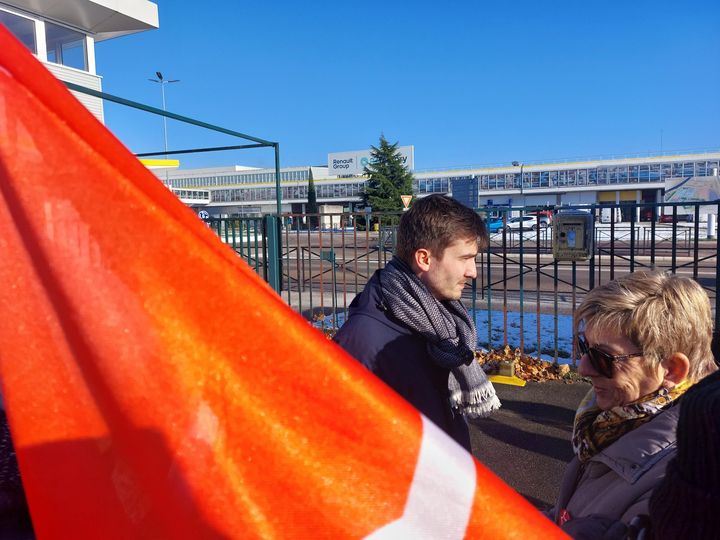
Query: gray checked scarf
(450, 335)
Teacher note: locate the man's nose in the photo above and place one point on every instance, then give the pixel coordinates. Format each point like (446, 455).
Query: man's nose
(471, 270)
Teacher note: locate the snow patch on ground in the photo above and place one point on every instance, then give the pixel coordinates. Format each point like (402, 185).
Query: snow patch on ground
(552, 342)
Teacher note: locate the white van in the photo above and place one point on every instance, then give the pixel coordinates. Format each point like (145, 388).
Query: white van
(610, 215)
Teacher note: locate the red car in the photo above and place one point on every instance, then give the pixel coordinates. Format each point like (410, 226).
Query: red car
(668, 218)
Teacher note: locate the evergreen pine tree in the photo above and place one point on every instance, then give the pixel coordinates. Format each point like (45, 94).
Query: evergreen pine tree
(312, 206)
(388, 178)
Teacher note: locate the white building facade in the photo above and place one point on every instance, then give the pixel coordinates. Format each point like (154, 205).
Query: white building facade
(62, 34)
(225, 192)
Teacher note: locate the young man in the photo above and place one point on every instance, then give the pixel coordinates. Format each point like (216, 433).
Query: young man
(409, 327)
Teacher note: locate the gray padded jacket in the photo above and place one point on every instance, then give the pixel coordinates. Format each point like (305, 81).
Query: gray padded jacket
(618, 481)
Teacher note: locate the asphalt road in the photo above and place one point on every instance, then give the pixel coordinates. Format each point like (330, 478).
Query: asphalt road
(527, 442)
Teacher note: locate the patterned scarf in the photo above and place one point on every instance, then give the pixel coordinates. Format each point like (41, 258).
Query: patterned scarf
(595, 429)
(450, 334)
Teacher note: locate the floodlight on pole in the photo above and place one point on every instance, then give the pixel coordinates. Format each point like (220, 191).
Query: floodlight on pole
(162, 81)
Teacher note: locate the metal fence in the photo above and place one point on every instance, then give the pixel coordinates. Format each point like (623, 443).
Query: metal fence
(522, 297)
(247, 237)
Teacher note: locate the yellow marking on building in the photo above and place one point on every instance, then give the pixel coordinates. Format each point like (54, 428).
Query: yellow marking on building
(161, 163)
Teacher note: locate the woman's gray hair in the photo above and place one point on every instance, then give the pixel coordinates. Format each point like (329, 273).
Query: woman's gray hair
(660, 313)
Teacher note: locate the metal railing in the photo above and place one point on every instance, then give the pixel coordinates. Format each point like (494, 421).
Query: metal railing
(246, 237)
(522, 296)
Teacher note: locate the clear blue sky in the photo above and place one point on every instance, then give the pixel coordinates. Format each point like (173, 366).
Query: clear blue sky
(466, 82)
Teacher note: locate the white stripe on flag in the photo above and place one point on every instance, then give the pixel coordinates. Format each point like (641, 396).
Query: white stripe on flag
(441, 494)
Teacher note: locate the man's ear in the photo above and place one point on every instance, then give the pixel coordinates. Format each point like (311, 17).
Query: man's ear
(421, 258)
(676, 368)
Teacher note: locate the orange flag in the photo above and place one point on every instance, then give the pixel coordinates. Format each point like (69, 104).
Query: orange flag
(157, 388)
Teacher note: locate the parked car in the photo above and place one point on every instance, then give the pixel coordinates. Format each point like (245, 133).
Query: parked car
(494, 224)
(668, 218)
(545, 216)
(610, 215)
(525, 223)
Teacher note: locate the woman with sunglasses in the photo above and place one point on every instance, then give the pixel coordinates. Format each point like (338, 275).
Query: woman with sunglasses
(644, 339)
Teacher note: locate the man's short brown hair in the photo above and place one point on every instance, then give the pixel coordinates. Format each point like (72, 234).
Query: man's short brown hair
(433, 223)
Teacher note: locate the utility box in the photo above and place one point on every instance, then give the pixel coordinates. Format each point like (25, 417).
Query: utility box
(573, 235)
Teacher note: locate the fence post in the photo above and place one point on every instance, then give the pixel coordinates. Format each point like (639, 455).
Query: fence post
(272, 232)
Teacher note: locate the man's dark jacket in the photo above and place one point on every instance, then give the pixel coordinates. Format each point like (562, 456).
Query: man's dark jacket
(399, 357)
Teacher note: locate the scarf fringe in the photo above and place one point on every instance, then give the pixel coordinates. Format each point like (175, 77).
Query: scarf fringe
(478, 403)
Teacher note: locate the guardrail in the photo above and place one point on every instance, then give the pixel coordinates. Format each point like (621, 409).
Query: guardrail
(522, 297)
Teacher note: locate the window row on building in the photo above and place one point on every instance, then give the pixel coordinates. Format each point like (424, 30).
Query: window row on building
(322, 191)
(49, 41)
(241, 178)
(615, 174)
(431, 185)
(192, 194)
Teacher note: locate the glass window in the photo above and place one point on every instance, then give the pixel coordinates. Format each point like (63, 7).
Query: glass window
(582, 177)
(21, 27)
(65, 46)
(544, 179)
(622, 174)
(602, 175)
(613, 174)
(666, 170)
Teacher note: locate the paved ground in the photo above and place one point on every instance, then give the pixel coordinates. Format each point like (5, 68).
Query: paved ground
(527, 442)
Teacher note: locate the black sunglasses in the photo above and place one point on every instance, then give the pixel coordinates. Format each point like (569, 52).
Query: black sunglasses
(601, 361)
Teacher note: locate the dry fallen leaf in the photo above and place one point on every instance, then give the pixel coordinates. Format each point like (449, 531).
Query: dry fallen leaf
(527, 367)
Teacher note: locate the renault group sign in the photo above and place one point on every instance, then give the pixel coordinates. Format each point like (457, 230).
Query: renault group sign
(351, 163)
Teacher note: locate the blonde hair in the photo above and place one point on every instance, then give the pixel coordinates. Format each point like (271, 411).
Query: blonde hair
(660, 313)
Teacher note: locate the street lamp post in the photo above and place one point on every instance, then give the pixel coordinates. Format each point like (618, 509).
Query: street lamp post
(162, 81)
(521, 165)
(520, 253)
